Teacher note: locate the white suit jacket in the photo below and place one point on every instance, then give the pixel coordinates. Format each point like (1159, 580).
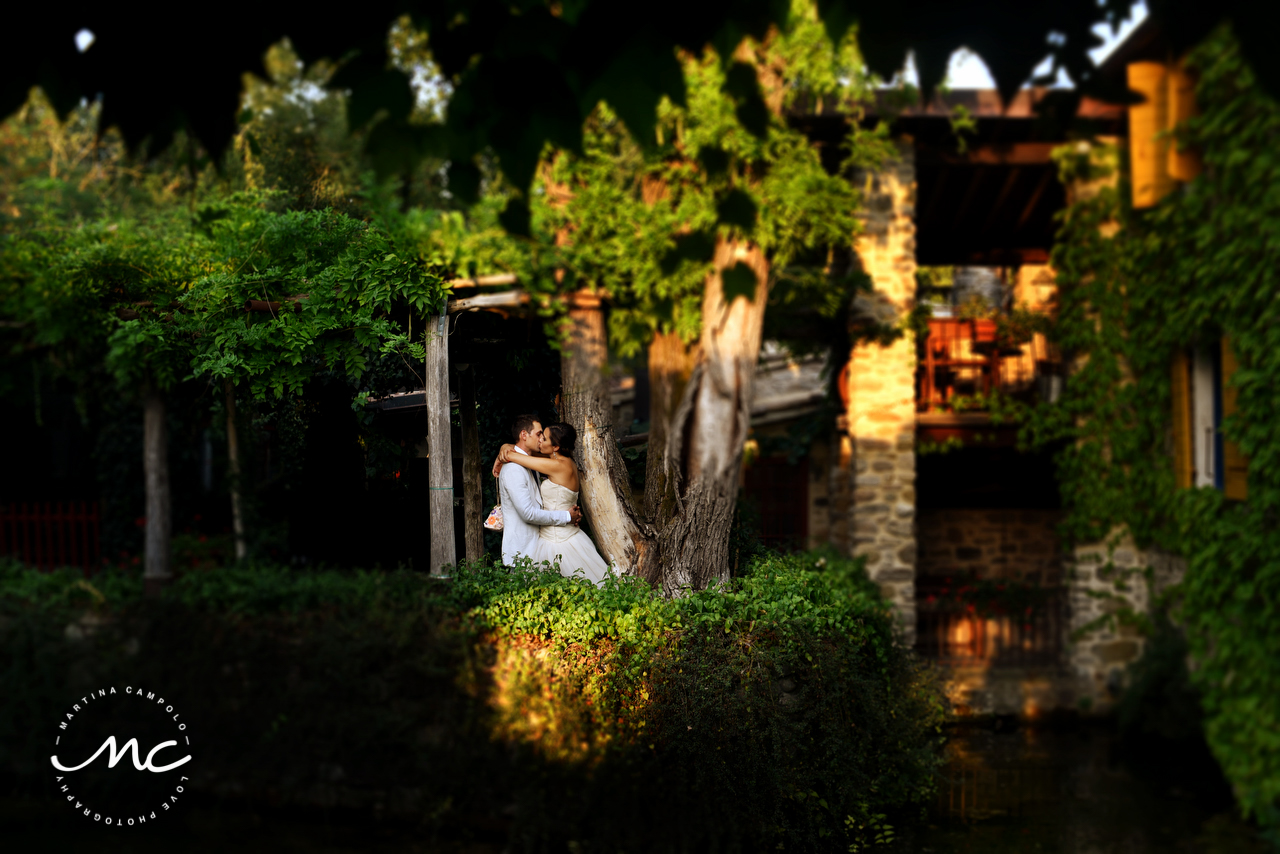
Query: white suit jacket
(522, 513)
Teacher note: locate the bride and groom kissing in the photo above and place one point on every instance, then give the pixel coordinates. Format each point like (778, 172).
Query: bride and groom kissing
(540, 521)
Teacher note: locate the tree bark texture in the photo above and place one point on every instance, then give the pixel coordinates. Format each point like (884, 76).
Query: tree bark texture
(605, 488)
(706, 434)
(671, 363)
(439, 444)
(701, 414)
(472, 485)
(157, 562)
(233, 464)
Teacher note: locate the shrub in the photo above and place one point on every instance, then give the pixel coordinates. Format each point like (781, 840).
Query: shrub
(776, 710)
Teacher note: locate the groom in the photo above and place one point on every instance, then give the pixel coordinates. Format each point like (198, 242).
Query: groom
(522, 513)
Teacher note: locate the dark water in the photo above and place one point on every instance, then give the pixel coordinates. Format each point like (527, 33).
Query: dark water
(1076, 791)
(1065, 791)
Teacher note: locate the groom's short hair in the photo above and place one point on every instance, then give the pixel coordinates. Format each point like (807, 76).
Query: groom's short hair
(521, 424)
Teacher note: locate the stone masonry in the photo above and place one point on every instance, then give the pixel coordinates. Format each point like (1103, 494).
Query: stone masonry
(881, 386)
(1106, 582)
(1012, 545)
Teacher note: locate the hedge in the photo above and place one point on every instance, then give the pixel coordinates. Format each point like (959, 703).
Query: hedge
(778, 710)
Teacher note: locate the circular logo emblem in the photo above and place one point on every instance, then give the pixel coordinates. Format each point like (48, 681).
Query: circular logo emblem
(121, 756)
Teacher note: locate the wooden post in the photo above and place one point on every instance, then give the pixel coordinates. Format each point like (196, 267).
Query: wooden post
(1183, 455)
(440, 452)
(157, 564)
(233, 463)
(472, 477)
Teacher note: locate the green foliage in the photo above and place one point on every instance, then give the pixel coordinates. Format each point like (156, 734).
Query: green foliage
(789, 596)
(119, 274)
(1161, 701)
(1019, 325)
(780, 704)
(946, 446)
(933, 285)
(1200, 265)
(637, 210)
(337, 281)
(293, 144)
(156, 297)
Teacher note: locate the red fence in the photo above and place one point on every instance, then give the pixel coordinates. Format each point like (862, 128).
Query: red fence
(49, 535)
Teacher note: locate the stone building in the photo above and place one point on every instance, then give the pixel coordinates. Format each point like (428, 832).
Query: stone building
(905, 466)
(958, 527)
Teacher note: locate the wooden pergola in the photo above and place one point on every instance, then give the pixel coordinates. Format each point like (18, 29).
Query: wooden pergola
(435, 399)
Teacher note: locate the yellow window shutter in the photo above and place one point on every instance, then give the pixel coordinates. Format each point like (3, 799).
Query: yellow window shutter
(1148, 145)
(1181, 420)
(1235, 466)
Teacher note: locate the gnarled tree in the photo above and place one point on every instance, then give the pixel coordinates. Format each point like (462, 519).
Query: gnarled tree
(687, 235)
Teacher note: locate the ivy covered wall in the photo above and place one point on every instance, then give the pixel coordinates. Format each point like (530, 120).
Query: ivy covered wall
(1138, 287)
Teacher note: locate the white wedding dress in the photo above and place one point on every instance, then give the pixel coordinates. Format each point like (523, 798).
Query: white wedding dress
(567, 544)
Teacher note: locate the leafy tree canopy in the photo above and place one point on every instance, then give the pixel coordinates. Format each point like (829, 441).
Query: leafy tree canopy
(330, 285)
(165, 298)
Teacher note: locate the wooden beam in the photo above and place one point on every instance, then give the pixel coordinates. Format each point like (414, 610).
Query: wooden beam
(963, 210)
(985, 104)
(515, 299)
(1035, 199)
(472, 484)
(998, 207)
(272, 306)
(484, 281)
(1007, 154)
(440, 453)
(505, 299)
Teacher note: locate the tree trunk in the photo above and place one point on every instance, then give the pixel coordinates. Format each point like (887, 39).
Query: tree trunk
(439, 444)
(472, 484)
(706, 434)
(701, 414)
(157, 564)
(605, 491)
(671, 364)
(233, 464)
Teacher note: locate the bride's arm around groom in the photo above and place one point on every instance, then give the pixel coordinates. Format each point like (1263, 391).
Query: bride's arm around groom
(518, 492)
(522, 513)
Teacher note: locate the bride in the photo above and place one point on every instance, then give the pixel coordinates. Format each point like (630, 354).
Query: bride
(567, 544)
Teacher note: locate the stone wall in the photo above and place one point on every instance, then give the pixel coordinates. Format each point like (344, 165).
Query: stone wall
(881, 386)
(1108, 581)
(1020, 545)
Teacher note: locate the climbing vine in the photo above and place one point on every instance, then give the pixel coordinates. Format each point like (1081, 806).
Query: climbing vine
(1136, 286)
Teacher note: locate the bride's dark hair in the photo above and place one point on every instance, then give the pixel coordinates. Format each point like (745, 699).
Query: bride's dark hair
(564, 437)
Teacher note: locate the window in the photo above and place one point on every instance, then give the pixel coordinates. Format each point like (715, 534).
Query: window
(1203, 396)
